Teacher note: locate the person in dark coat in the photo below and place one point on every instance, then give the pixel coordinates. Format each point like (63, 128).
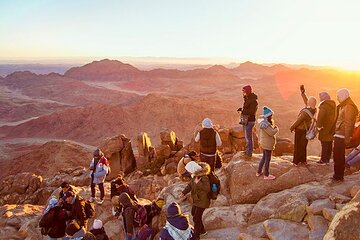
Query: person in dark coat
(119, 186)
(209, 141)
(53, 221)
(77, 212)
(344, 127)
(177, 225)
(128, 212)
(98, 230)
(325, 122)
(249, 108)
(65, 187)
(300, 127)
(199, 186)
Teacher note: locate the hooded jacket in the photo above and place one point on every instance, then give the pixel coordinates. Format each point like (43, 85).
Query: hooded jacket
(100, 170)
(303, 120)
(199, 191)
(180, 226)
(250, 106)
(55, 221)
(326, 120)
(128, 212)
(344, 127)
(267, 134)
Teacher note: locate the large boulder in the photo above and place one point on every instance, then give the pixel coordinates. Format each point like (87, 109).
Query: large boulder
(283, 146)
(168, 137)
(145, 149)
(118, 151)
(278, 229)
(318, 226)
(319, 205)
(345, 223)
(226, 146)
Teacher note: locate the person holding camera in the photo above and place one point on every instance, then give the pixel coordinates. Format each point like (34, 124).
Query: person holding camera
(248, 112)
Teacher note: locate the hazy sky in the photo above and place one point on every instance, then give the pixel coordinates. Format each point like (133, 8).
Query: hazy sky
(318, 32)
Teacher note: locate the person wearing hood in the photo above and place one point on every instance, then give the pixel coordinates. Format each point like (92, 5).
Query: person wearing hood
(177, 225)
(249, 108)
(300, 127)
(209, 141)
(191, 156)
(344, 127)
(99, 169)
(128, 213)
(199, 186)
(53, 221)
(117, 187)
(98, 230)
(325, 122)
(268, 130)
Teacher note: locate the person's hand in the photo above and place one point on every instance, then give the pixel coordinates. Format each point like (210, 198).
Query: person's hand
(302, 89)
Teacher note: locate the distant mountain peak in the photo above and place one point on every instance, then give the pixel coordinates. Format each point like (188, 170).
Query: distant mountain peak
(21, 74)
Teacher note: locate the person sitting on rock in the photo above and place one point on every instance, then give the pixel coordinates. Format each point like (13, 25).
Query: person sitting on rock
(177, 225)
(199, 186)
(268, 130)
(65, 187)
(53, 221)
(77, 212)
(98, 230)
(99, 170)
(353, 158)
(209, 141)
(183, 174)
(119, 186)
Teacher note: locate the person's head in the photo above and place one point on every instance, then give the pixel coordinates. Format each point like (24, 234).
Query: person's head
(97, 154)
(247, 90)
(125, 200)
(268, 114)
(193, 155)
(207, 123)
(311, 103)
(173, 210)
(119, 181)
(324, 96)
(343, 94)
(98, 224)
(65, 186)
(68, 196)
(193, 167)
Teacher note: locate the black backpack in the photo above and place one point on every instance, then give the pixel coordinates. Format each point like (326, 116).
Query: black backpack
(214, 186)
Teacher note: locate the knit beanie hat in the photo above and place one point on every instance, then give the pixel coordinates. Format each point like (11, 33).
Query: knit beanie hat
(324, 96)
(159, 202)
(311, 102)
(98, 224)
(192, 167)
(343, 94)
(173, 210)
(207, 123)
(247, 89)
(267, 111)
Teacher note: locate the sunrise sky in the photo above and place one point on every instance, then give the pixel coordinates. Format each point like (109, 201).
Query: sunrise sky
(317, 32)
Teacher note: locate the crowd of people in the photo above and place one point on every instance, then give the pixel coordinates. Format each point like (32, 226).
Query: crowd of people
(67, 216)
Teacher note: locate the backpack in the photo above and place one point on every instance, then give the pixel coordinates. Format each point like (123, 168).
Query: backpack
(214, 186)
(106, 162)
(312, 131)
(140, 216)
(46, 222)
(89, 209)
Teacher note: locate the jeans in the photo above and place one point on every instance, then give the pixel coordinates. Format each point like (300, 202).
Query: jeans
(339, 158)
(265, 160)
(248, 132)
(353, 158)
(326, 150)
(199, 228)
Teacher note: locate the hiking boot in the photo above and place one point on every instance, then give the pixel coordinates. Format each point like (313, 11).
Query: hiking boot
(270, 177)
(258, 174)
(92, 199)
(100, 202)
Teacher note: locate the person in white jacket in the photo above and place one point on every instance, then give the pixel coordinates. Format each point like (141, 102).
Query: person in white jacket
(99, 169)
(268, 130)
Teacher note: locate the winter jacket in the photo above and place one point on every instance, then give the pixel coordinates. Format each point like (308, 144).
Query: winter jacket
(128, 212)
(55, 221)
(100, 234)
(178, 226)
(303, 120)
(326, 120)
(199, 191)
(123, 188)
(78, 211)
(181, 165)
(267, 135)
(99, 170)
(346, 117)
(250, 106)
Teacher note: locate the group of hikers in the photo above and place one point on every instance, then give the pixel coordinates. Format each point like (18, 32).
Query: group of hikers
(335, 125)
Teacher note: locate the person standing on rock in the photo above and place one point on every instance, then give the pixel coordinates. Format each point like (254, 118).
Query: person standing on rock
(344, 127)
(191, 156)
(99, 170)
(177, 225)
(300, 127)
(199, 187)
(248, 110)
(268, 130)
(209, 141)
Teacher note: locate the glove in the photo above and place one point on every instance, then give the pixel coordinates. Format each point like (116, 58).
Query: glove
(239, 110)
(302, 89)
